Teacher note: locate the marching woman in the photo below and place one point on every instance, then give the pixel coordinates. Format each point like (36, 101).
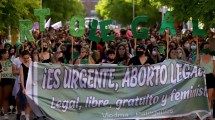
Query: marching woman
(6, 81)
(45, 55)
(142, 57)
(16, 89)
(84, 57)
(23, 76)
(122, 56)
(208, 64)
(1, 111)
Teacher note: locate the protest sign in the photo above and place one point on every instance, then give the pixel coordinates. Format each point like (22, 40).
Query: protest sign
(47, 25)
(105, 31)
(169, 89)
(57, 25)
(81, 26)
(143, 31)
(197, 31)
(93, 29)
(168, 22)
(41, 13)
(25, 26)
(7, 69)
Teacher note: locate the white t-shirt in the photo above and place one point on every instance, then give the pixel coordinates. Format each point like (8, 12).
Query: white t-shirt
(12, 58)
(17, 62)
(213, 57)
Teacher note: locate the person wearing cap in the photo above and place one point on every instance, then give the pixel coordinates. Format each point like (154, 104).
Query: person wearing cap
(142, 57)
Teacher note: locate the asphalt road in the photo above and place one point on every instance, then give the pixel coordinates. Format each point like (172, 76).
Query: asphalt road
(13, 117)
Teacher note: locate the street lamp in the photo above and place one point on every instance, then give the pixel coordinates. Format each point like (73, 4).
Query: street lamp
(133, 8)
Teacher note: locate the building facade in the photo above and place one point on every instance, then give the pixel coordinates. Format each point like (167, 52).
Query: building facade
(90, 7)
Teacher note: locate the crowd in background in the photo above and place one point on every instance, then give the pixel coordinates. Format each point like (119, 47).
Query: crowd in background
(56, 46)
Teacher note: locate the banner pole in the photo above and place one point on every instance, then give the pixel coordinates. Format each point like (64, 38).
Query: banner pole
(91, 42)
(167, 44)
(197, 46)
(106, 46)
(135, 43)
(72, 49)
(197, 51)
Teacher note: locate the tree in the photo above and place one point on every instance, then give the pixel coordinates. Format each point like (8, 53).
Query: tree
(63, 10)
(11, 11)
(202, 10)
(121, 10)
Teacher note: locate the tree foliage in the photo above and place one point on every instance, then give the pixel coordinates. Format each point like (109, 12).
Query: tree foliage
(183, 10)
(11, 11)
(121, 10)
(63, 10)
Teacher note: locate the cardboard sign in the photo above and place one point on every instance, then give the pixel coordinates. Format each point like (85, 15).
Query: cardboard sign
(168, 22)
(41, 13)
(81, 26)
(104, 32)
(93, 29)
(7, 69)
(144, 31)
(25, 27)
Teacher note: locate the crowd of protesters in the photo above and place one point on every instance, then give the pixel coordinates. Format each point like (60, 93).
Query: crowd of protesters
(56, 46)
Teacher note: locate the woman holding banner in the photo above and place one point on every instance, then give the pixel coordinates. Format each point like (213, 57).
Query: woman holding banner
(1, 112)
(84, 57)
(142, 57)
(208, 63)
(193, 51)
(155, 55)
(122, 56)
(45, 55)
(181, 54)
(24, 75)
(172, 54)
(16, 89)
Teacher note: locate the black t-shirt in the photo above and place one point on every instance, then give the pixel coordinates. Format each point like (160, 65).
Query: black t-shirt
(25, 73)
(136, 61)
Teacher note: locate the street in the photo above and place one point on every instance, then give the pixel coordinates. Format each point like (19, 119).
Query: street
(13, 117)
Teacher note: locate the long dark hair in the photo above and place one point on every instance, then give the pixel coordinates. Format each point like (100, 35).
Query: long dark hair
(25, 52)
(2, 52)
(170, 52)
(125, 56)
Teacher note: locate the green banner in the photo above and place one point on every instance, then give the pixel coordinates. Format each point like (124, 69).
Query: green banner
(97, 92)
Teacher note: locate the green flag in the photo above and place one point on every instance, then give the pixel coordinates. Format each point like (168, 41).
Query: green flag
(197, 31)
